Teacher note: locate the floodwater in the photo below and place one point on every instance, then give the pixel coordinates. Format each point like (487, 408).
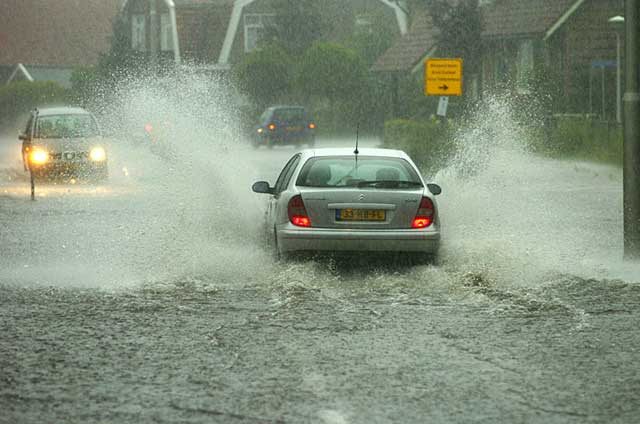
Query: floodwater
(153, 299)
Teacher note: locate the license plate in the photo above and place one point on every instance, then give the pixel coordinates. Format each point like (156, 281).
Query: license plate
(360, 215)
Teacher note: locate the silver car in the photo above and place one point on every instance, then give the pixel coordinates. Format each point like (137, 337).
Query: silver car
(64, 141)
(340, 200)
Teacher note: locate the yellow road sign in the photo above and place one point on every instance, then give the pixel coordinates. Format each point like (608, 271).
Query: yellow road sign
(443, 77)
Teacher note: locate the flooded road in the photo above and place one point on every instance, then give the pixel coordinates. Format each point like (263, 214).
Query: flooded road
(152, 299)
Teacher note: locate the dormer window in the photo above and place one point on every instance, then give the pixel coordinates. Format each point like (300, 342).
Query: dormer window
(254, 29)
(363, 24)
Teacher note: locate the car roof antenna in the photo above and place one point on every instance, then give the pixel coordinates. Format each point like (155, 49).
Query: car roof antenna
(355, 152)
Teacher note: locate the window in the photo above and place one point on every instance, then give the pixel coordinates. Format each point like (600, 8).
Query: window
(364, 24)
(285, 175)
(138, 35)
(254, 29)
(345, 171)
(166, 33)
(66, 126)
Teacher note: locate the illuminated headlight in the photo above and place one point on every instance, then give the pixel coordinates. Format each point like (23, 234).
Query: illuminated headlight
(260, 130)
(39, 157)
(97, 154)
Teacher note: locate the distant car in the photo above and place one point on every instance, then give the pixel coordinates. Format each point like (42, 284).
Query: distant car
(334, 200)
(64, 142)
(284, 125)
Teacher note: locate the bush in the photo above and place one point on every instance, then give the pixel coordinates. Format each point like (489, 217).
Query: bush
(18, 98)
(586, 139)
(428, 143)
(265, 75)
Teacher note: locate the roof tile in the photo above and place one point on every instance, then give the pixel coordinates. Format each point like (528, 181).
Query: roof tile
(55, 32)
(410, 48)
(519, 17)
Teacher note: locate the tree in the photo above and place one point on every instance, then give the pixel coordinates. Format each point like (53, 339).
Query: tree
(296, 25)
(121, 60)
(332, 72)
(460, 29)
(19, 97)
(265, 74)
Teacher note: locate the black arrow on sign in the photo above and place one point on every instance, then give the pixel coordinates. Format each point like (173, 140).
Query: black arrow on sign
(444, 87)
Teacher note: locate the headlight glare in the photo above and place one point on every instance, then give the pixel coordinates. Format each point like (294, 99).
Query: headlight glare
(97, 154)
(39, 156)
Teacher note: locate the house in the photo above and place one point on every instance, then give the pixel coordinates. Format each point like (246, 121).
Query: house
(45, 40)
(405, 58)
(408, 53)
(570, 41)
(219, 32)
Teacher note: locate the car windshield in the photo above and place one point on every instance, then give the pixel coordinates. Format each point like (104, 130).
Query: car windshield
(369, 171)
(66, 126)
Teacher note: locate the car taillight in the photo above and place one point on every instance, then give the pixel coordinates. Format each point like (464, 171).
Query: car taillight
(272, 127)
(148, 127)
(312, 126)
(424, 216)
(297, 213)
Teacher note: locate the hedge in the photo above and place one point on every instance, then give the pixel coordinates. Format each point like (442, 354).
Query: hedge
(18, 98)
(585, 139)
(428, 143)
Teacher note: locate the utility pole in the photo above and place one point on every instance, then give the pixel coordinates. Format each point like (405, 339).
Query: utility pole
(631, 122)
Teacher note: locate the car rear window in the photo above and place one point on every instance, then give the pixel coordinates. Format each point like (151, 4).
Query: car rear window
(345, 171)
(289, 115)
(66, 126)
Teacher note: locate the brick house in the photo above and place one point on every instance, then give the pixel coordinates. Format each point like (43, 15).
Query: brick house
(218, 33)
(571, 41)
(45, 40)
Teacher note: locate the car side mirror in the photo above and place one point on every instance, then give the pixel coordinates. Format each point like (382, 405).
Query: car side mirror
(434, 189)
(23, 137)
(262, 187)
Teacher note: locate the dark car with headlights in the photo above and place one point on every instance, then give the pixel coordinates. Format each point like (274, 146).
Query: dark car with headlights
(284, 125)
(64, 142)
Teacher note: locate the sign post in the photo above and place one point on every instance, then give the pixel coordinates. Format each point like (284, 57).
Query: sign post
(442, 106)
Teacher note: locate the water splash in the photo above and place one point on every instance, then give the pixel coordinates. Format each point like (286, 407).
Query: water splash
(519, 217)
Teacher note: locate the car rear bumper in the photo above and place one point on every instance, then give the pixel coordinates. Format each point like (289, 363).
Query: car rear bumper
(328, 239)
(286, 137)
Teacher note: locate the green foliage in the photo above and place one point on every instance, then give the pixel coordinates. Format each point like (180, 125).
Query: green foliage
(584, 139)
(297, 24)
(121, 60)
(84, 81)
(265, 75)
(428, 143)
(332, 71)
(370, 43)
(18, 98)
(460, 29)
